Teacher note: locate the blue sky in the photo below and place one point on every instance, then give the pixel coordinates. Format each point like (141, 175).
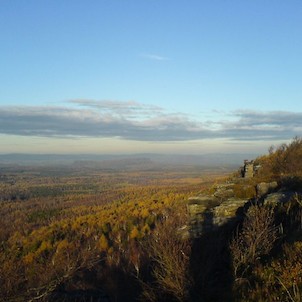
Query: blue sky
(112, 76)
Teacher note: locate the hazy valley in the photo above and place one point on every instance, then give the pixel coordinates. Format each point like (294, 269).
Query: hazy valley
(122, 230)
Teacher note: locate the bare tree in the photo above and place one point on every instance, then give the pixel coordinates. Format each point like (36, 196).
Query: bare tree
(256, 238)
(170, 255)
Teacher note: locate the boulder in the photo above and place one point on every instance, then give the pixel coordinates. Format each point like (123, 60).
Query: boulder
(223, 194)
(199, 209)
(227, 210)
(206, 200)
(274, 199)
(205, 215)
(264, 188)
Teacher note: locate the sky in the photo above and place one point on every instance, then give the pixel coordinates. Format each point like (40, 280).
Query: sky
(162, 76)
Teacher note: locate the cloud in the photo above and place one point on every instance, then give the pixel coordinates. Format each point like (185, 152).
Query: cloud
(135, 121)
(254, 125)
(154, 57)
(130, 108)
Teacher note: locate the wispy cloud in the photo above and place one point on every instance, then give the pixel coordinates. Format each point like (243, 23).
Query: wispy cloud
(131, 109)
(154, 57)
(136, 121)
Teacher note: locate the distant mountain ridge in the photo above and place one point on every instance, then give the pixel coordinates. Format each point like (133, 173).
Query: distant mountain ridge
(214, 159)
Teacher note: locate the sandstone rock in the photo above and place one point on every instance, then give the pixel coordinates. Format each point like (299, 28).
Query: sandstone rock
(274, 199)
(222, 194)
(195, 209)
(227, 210)
(264, 188)
(207, 200)
(199, 208)
(204, 218)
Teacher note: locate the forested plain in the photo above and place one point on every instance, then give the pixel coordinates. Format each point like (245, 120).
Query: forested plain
(61, 222)
(82, 233)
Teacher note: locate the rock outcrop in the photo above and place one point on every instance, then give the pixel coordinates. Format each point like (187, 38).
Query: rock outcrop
(264, 188)
(276, 198)
(208, 212)
(248, 169)
(228, 201)
(228, 210)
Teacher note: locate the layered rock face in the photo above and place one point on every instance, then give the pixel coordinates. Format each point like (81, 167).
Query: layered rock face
(208, 212)
(227, 204)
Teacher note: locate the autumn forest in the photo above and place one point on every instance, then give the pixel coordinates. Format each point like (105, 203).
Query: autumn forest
(81, 233)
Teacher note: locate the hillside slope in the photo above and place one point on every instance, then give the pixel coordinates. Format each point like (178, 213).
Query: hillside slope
(131, 236)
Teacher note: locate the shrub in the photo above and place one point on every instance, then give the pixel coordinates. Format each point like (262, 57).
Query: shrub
(256, 239)
(171, 256)
(282, 161)
(244, 191)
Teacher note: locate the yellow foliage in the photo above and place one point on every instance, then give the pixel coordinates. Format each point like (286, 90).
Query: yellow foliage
(62, 246)
(145, 213)
(29, 258)
(135, 212)
(45, 246)
(110, 251)
(86, 221)
(134, 233)
(103, 243)
(15, 239)
(146, 229)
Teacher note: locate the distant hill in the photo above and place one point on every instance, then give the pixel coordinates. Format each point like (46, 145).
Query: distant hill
(126, 160)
